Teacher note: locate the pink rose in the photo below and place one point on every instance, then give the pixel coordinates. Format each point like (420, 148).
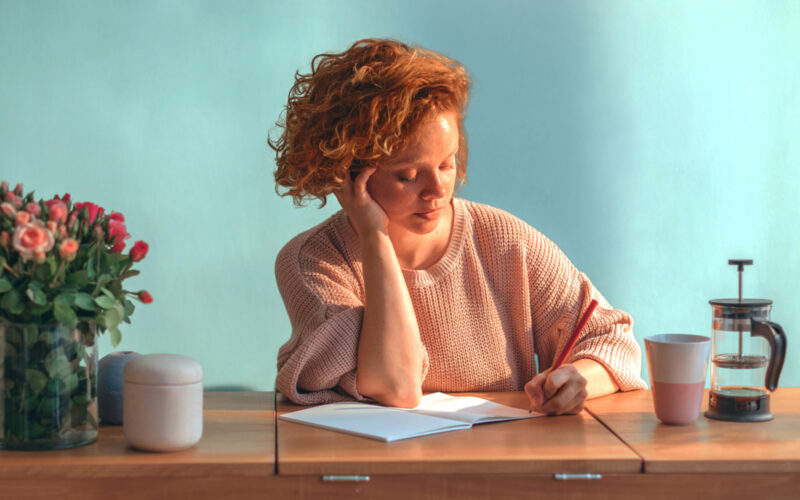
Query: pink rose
(68, 248)
(32, 240)
(52, 226)
(4, 237)
(22, 218)
(58, 210)
(8, 209)
(33, 208)
(16, 200)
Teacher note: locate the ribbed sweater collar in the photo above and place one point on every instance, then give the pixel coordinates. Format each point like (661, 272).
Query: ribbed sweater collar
(418, 277)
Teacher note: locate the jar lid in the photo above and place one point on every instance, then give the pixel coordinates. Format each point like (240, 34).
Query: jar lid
(162, 369)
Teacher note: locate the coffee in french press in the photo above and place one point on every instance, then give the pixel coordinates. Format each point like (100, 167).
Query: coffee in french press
(746, 358)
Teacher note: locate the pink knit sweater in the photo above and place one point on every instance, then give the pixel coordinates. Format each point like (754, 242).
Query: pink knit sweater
(501, 293)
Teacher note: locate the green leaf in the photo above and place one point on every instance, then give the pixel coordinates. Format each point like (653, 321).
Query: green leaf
(113, 318)
(80, 278)
(5, 285)
(65, 315)
(36, 296)
(36, 285)
(108, 293)
(36, 380)
(39, 310)
(59, 367)
(85, 301)
(105, 302)
(91, 267)
(43, 272)
(10, 300)
(64, 299)
(116, 336)
(70, 383)
(129, 307)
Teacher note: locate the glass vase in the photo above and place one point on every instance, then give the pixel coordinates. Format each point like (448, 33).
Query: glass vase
(48, 383)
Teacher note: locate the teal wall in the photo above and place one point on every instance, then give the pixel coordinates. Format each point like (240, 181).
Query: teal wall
(650, 140)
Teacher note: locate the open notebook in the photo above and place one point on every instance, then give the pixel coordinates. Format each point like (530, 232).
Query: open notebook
(438, 412)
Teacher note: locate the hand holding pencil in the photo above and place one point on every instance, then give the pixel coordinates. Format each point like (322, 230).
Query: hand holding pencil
(561, 388)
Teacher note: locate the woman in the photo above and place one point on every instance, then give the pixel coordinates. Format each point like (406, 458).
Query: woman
(408, 289)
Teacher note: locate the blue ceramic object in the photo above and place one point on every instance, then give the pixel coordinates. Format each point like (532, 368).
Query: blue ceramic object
(109, 386)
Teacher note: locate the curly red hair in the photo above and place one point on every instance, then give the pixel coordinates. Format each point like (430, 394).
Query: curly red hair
(360, 106)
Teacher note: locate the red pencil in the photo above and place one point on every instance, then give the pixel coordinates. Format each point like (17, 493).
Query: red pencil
(573, 339)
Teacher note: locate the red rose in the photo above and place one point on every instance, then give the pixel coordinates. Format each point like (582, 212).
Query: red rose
(118, 248)
(117, 232)
(139, 251)
(145, 297)
(91, 209)
(116, 216)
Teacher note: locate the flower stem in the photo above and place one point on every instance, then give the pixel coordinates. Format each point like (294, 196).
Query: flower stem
(58, 272)
(9, 269)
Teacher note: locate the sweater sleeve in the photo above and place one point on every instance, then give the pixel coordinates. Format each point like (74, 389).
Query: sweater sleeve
(562, 293)
(323, 298)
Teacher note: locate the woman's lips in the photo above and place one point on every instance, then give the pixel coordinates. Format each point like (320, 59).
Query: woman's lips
(429, 214)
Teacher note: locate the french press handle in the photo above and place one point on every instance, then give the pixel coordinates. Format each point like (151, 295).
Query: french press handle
(773, 333)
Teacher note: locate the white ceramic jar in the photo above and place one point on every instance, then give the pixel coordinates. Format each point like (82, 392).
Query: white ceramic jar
(162, 408)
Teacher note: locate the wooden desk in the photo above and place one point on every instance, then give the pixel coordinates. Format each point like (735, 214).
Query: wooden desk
(718, 457)
(237, 458)
(234, 457)
(487, 461)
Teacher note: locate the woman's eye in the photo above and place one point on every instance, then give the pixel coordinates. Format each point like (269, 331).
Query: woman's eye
(407, 178)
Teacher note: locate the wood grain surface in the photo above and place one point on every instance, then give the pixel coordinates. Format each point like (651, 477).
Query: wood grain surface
(707, 445)
(238, 440)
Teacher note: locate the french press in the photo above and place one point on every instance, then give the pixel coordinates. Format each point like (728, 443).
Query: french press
(746, 357)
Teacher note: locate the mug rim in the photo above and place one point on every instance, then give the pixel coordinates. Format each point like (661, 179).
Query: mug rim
(677, 338)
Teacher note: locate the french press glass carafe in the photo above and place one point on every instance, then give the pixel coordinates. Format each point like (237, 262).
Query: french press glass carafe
(746, 357)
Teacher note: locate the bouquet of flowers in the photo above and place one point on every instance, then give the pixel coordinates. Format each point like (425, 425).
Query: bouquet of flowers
(64, 262)
(62, 265)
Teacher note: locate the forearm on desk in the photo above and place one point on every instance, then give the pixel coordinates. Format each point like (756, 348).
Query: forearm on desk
(598, 381)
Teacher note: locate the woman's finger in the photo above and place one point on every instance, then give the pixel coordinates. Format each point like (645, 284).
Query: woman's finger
(565, 389)
(360, 184)
(569, 397)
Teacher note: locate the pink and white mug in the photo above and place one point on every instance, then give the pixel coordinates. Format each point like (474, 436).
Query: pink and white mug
(677, 364)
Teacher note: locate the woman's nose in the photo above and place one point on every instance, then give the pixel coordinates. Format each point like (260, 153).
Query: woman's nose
(434, 187)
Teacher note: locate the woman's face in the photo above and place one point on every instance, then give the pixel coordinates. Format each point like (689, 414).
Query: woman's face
(414, 187)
